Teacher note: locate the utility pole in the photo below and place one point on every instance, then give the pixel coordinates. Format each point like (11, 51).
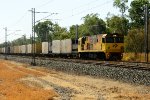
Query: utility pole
(5, 43)
(146, 33)
(33, 32)
(76, 35)
(33, 37)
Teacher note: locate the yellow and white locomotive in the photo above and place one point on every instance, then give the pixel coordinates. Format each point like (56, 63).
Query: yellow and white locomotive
(103, 46)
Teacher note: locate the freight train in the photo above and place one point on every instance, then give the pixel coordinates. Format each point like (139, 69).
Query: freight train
(101, 46)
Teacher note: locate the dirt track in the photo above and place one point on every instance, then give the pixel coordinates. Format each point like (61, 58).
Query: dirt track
(23, 82)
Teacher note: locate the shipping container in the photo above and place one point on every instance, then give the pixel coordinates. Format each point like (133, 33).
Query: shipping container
(29, 50)
(62, 46)
(23, 49)
(56, 47)
(68, 46)
(38, 48)
(0, 50)
(3, 50)
(11, 49)
(44, 47)
(16, 49)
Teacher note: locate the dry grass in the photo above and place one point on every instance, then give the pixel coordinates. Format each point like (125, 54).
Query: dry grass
(139, 57)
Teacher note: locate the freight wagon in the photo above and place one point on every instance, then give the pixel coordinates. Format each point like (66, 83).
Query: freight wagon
(102, 46)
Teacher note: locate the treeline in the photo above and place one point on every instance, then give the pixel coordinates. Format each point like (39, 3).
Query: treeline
(131, 25)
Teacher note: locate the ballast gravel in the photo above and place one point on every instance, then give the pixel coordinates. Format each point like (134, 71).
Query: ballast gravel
(135, 76)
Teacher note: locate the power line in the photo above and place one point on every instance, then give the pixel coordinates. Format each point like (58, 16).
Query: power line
(85, 4)
(46, 17)
(79, 7)
(22, 17)
(12, 32)
(44, 4)
(81, 12)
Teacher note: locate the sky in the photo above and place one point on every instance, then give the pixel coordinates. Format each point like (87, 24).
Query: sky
(15, 14)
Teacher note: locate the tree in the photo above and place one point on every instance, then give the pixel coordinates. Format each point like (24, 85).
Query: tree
(92, 25)
(59, 33)
(19, 41)
(44, 30)
(72, 32)
(115, 24)
(121, 4)
(134, 42)
(136, 13)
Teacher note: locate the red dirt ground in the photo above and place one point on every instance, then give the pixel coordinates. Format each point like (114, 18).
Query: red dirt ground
(11, 88)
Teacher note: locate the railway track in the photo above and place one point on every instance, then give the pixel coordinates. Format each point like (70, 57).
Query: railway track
(120, 64)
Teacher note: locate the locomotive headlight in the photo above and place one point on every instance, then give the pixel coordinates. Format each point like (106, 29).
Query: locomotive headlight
(108, 55)
(121, 55)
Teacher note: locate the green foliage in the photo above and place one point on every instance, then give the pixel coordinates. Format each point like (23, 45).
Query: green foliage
(136, 12)
(2, 45)
(134, 41)
(121, 4)
(72, 32)
(118, 24)
(20, 41)
(44, 30)
(59, 33)
(48, 31)
(92, 25)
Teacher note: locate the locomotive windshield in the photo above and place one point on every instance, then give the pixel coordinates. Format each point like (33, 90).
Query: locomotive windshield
(113, 40)
(109, 40)
(119, 39)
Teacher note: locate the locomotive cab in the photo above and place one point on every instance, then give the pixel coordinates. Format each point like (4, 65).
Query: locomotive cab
(114, 45)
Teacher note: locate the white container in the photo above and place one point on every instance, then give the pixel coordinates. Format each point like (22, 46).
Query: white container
(20, 49)
(16, 49)
(45, 47)
(63, 46)
(29, 48)
(23, 49)
(68, 46)
(56, 47)
(0, 50)
(3, 50)
(11, 49)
